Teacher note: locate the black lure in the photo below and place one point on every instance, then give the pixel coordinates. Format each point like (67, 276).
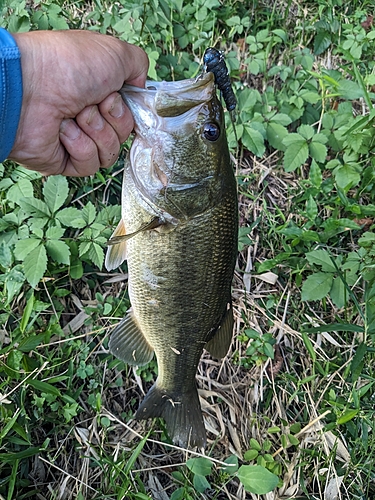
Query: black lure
(214, 63)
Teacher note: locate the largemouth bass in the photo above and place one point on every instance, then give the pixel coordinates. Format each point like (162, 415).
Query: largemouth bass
(179, 235)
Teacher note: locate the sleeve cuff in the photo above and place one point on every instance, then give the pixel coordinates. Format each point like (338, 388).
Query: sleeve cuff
(10, 92)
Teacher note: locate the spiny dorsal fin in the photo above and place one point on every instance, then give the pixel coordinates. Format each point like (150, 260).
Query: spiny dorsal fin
(116, 254)
(219, 344)
(128, 343)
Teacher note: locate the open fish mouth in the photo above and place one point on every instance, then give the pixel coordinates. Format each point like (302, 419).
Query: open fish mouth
(168, 99)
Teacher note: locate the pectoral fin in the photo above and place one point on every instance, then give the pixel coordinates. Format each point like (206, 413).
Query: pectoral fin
(119, 238)
(116, 254)
(128, 343)
(219, 344)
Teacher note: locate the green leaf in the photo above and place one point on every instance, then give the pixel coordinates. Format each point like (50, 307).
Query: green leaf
(306, 131)
(293, 138)
(347, 415)
(316, 286)
(21, 189)
(318, 151)
(310, 97)
(358, 361)
(281, 34)
(254, 444)
(321, 138)
(276, 134)
(199, 465)
(76, 269)
(54, 233)
(293, 440)
(321, 258)
(274, 430)
(257, 479)
(88, 213)
(315, 174)
(71, 217)
(232, 466)
(9, 425)
(268, 350)
(35, 264)
(27, 313)
(55, 191)
(24, 247)
(19, 455)
(44, 387)
(349, 90)
(281, 119)
(295, 155)
(309, 346)
(5, 255)
(321, 42)
(14, 280)
(84, 247)
(250, 455)
(96, 254)
(58, 251)
(253, 141)
(30, 343)
(254, 67)
(200, 483)
(336, 327)
(179, 494)
(346, 176)
(34, 207)
(338, 293)
(311, 208)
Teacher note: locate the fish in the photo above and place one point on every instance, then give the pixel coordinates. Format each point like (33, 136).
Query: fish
(178, 232)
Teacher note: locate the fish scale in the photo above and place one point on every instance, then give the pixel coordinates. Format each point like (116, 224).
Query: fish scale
(181, 266)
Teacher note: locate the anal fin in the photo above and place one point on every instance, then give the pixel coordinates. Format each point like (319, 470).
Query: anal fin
(116, 254)
(128, 343)
(219, 345)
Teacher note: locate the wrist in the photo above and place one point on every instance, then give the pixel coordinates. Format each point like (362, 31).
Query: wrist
(10, 92)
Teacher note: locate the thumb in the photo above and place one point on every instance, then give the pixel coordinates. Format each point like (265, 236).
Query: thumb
(135, 63)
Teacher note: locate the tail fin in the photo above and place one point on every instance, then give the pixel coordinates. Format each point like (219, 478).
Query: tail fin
(182, 414)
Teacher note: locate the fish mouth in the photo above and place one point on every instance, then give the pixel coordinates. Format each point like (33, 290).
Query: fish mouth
(169, 99)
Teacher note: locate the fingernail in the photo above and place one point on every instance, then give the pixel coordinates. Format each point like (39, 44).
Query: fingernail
(95, 119)
(117, 108)
(70, 129)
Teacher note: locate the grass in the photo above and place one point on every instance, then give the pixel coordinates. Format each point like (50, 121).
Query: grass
(296, 392)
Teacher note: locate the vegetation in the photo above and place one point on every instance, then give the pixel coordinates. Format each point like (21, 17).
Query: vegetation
(290, 411)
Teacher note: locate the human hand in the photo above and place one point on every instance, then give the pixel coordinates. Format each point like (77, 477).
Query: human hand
(73, 120)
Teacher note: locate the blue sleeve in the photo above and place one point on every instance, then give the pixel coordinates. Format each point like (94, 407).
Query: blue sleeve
(10, 92)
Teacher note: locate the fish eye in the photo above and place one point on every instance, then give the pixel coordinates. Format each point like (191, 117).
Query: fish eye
(211, 131)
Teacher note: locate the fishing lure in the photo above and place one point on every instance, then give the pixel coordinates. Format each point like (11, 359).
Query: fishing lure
(214, 62)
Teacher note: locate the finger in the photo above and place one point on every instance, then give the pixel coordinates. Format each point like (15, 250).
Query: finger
(91, 121)
(135, 63)
(118, 115)
(83, 159)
